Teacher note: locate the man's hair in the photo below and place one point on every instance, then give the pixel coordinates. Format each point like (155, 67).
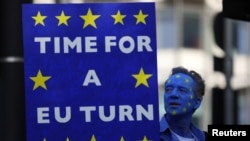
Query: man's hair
(200, 83)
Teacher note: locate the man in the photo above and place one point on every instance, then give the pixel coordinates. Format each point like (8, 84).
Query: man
(183, 94)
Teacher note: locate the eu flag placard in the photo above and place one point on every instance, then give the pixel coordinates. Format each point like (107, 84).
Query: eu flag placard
(90, 72)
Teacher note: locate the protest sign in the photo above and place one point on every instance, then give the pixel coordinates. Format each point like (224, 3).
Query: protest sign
(90, 72)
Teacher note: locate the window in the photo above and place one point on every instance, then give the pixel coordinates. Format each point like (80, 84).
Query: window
(191, 30)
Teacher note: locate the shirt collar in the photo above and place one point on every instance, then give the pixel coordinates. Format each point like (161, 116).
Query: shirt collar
(165, 126)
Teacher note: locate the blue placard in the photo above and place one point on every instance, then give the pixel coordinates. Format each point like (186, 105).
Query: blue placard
(90, 72)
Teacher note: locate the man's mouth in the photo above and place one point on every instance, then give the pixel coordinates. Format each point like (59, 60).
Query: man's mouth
(174, 104)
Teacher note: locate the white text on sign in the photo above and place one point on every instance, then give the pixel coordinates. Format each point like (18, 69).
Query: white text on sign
(88, 44)
(125, 112)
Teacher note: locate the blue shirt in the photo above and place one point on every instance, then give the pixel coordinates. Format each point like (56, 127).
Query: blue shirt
(165, 133)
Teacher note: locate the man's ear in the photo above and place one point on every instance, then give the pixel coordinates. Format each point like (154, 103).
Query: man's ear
(197, 103)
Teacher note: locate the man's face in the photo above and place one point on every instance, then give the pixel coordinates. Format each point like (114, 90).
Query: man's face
(179, 97)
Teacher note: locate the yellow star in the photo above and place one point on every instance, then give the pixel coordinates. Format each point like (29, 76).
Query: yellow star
(118, 17)
(44, 139)
(191, 97)
(187, 80)
(89, 19)
(67, 139)
(40, 80)
(93, 138)
(122, 139)
(190, 89)
(174, 113)
(177, 76)
(145, 139)
(39, 18)
(184, 109)
(168, 81)
(62, 19)
(141, 78)
(140, 17)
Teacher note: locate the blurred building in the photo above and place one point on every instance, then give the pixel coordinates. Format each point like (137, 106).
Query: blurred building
(186, 37)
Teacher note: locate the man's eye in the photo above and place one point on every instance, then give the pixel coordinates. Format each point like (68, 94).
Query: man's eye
(168, 89)
(183, 90)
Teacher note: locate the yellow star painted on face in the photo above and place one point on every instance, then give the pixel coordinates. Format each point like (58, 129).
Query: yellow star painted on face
(93, 138)
(187, 80)
(141, 78)
(67, 139)
(118, 17)
(191, 96)
(184, 109)
(174, 113)
(39, 19)
(190, 89)
(89, 19)
(189, 104)
(62, 19)
(44, 139)
(140, 18)
(40, 80)
(177, 76)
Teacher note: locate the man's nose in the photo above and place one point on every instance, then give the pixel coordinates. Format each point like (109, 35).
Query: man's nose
(174, 94)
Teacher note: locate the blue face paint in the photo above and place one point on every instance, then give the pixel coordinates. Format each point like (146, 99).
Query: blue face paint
(179, 97)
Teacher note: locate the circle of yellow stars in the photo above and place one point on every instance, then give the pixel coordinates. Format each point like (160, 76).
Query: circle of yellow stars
(186, 80)
(40, 79)
(93, 138)
(90, 18)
